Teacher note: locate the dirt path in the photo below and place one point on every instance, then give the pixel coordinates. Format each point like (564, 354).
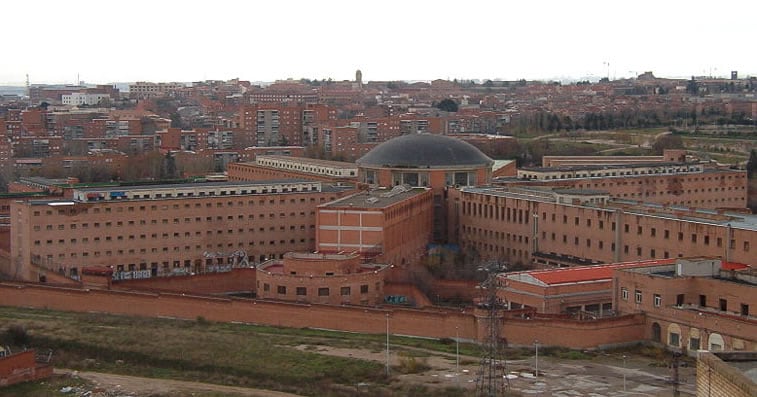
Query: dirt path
(138, 386)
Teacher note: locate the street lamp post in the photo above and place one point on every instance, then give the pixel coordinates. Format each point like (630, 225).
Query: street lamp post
(624, 372)
(387, 345)
(457, 349)
(536, 345)
(457, 354)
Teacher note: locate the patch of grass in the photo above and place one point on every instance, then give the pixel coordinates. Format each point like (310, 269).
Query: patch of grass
(222, 353)
(190, 350)
(565, 353)
(411, 365)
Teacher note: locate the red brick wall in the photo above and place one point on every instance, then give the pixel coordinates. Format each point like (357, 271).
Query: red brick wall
(209, 283)
(21, 367)
(716, 378)
(574, 334)
(433, 323)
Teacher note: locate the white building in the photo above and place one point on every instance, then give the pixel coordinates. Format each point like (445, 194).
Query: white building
(78, 99)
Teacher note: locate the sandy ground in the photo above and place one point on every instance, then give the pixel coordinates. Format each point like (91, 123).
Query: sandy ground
(602, 376)
(122, 385)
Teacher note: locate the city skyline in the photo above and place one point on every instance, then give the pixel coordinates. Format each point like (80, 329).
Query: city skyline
(104, 42)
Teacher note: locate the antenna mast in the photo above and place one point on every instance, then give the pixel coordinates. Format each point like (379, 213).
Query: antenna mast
(492, 381)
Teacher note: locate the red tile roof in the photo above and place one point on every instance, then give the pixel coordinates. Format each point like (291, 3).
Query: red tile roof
(734, 266)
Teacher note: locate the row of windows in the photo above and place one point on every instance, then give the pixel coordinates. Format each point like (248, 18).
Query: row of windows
(50, 258)
(647, 181)
(85, 225)
(321, 291)
(154, 207)
(680, 300)
(571, 175)
(496, 212)
(85, 240)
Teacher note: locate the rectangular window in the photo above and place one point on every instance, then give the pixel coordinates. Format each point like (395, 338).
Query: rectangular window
(637, 296)
(364, 289)
(694, 344)
(723, 305)
(657, 300)
(302, 291)
(679, 299)
(266, 287)
(675, 339)
(281, 289)
(703, 300)
(624, 294)
(323, 292)
(345, 291)
(744, 309)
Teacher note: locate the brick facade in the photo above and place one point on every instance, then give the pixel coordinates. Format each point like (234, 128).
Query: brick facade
(432, 323)
(165, 235)
(22, 367)
(716, 378)
(514, 224)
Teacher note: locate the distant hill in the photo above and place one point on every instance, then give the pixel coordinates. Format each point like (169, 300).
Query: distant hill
(12, 90)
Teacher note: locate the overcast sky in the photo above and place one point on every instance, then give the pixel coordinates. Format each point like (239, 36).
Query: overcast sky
(160, 40)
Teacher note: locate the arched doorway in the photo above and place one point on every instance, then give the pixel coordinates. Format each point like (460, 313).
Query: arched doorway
(656, 332)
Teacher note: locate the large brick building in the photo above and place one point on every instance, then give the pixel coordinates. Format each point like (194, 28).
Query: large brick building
(691, 304)
(684, 184)
(278, 166)
(575, 290)
(568, 227)
(391, 225)
(425, 160)
(336, 279)
(166, 229)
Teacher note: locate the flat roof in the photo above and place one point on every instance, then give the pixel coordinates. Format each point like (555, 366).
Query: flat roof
(379, 198)
(545, 194)
(579, 274)
(592, 167)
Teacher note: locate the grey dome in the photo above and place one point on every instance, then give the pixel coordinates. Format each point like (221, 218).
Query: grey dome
(424, 151)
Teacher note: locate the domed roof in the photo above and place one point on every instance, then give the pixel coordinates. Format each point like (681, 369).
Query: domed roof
(424, 151)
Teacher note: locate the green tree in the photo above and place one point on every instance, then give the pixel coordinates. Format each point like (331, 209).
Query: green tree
(447, 105)
(751, 165)
(169, 167)
(668, 141)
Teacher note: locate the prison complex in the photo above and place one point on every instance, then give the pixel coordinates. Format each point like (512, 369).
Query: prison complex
(332, 233)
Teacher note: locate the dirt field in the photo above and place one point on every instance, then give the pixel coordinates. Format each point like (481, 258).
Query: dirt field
(603, 375)
(122, 385)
